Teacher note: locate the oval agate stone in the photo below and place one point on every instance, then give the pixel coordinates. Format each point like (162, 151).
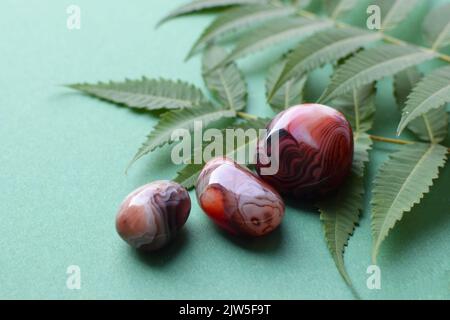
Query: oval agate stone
(151, 216)
(315, 151)
(237, 200)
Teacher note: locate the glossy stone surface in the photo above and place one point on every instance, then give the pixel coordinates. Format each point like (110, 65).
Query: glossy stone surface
(151, 216)
(315, 151)
(237, 200)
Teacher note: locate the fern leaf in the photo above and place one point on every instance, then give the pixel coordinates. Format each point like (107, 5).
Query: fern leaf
(401, 183)
(430, 93)
(237, 19)
(324, 47)
(150, 94)
(363, 144)
(300, 3)
(358, 107)
(371, 65)
(227, 84)
(188, 175)
(180, 119)
(291, 93)
(431, 126)
(202, 5)
(340, 213)
(336, 8)
(275, 32)
(394, 11)
(404, 82)
(436, 27)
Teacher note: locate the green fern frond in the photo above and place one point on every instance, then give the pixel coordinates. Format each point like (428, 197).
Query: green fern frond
(363, 144)
(227, 84)
(431, 126)
(358, 107)
(203, 5)
(188, 175)
(436, 26)
(401, 183)
(430, 93)
(180, 119)
(275, 32)
(291, 93)
(237, 19)
(337, 8)
(150, 94)
(340, 213)
(324, 47)
(339, 216)
(394, 11)
(371, 65)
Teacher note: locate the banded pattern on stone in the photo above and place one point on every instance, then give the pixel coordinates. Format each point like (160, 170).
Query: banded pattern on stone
(237, 200)
(315, 151)
(151, 216)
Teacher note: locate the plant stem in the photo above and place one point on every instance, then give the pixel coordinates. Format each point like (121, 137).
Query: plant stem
(393, 40)
(308, 14)
(386, 38)
(429, 129)
(356, 110)
(246, 116)
(395, 141)
(391, 140)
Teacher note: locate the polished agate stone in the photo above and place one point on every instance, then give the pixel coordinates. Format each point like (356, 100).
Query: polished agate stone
(237, 200)
(151, 216)
(315, 151)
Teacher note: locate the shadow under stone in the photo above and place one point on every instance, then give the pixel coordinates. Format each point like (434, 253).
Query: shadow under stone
(165, 255)
(267, 244)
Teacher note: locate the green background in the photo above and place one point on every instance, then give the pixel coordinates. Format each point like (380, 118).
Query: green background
(63, 156)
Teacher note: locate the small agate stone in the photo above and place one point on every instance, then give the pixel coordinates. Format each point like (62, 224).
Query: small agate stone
(315, 151)
(237, 200)
(151, 216)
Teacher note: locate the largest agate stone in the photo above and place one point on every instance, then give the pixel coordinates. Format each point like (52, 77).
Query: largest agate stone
(237, 200)
(314, 151)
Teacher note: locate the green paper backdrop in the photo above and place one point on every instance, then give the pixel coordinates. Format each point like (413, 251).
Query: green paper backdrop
(63, 155)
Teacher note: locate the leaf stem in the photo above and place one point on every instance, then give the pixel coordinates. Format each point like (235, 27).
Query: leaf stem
(395, 141)
(429, 129)
(356, 110)
(390, 39)
(307, 14)
(246, 116)
(390, 140)
(386, 38)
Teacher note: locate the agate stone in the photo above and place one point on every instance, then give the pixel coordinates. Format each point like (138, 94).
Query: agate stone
(315, 151)
(151, 216)
(237, 200)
